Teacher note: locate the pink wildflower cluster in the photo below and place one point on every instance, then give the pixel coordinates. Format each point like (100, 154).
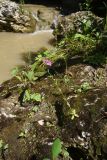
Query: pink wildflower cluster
(47, 62)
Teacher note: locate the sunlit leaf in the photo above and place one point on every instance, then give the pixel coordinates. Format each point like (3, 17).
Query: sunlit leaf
(56, 148)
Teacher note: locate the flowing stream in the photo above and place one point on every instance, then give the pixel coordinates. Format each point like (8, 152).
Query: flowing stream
(12, 45)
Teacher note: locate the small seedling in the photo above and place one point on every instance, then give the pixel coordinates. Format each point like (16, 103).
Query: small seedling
(73, 114)
(23, 134)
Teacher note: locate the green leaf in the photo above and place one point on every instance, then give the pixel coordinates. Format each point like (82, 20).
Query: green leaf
(77, 36)
(35, 109)
(14, 71)
(27, 96)
(30, 75)
(56, 148)
(37, 97)
(85, 86)
(23, 134)
(46, 53)
(87, 25)
(39, 57)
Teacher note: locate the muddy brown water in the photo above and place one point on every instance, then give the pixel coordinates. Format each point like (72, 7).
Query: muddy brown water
(12, 45)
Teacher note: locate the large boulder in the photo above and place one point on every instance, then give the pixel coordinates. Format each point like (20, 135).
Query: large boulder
(73, 112)
(83, 22)
(14, 18)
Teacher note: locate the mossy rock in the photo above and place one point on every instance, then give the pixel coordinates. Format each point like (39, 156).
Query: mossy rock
(83, 22)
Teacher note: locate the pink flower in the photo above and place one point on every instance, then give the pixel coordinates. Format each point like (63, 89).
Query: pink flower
(47, 62)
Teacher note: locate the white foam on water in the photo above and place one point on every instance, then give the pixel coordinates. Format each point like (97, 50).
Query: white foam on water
(41, 31)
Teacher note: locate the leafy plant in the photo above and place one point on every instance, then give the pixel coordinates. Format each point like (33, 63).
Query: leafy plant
(24, 76)
(28, 96)
(73, 114)
(23, 134)
(85, 86)
(56, 148)
(30, 75)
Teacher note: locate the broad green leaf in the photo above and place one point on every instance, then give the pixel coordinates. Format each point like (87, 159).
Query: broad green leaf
(56, 148)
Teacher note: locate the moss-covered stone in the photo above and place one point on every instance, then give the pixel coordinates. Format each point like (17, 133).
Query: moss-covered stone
(83, 22)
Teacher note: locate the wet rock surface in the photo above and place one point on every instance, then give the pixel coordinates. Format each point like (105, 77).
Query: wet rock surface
(14, 18)
(43, 15)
